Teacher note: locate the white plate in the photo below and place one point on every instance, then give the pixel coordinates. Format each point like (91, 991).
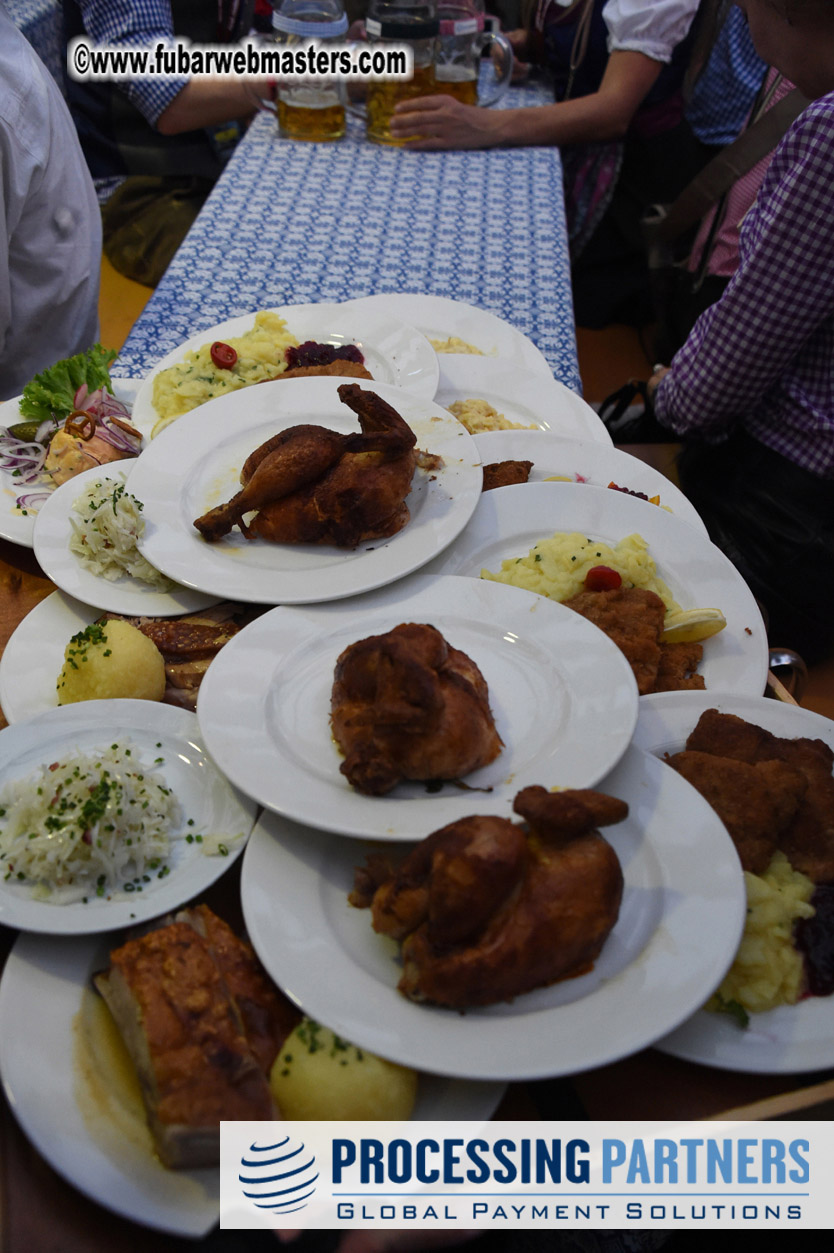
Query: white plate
(14, 525)
(53, 531)
(395, 354)
(789, 1039)
(438, 317)
(507, 523)
(34, 655)
(40, 997)
(520, 396)
(204, 794)
(197, 465)
(678, 928)
(597, 465)
(563, 697)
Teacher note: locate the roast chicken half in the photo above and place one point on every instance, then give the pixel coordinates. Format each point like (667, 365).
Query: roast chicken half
(406, 705)
(487, 909)
(310, 485)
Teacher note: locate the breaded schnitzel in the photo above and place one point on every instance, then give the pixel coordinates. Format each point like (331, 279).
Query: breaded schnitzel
(808, 839)
(633, 618)
(506, 473)
(756, 802)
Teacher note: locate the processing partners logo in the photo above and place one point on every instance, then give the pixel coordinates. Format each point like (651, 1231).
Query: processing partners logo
(279, 1177)
(499, 1176)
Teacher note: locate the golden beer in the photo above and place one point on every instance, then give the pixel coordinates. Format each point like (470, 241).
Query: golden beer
(313, 114)
(382, 97)
(459, 81)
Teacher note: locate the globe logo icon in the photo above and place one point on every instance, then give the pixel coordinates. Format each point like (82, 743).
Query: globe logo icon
(279, 1177)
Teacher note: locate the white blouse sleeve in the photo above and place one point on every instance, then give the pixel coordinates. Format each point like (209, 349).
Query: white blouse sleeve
(653, 27)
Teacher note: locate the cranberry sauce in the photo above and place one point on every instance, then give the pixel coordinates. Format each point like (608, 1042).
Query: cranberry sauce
(311, 353)
(814, 938)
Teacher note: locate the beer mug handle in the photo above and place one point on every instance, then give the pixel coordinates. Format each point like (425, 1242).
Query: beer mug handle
(502, 60)
(261, 102)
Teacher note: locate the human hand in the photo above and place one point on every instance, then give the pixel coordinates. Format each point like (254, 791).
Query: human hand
(432, 122)
(517, 40)
(659, 372)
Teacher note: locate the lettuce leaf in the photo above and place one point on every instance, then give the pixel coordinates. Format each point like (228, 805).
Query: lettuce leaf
(52, 392)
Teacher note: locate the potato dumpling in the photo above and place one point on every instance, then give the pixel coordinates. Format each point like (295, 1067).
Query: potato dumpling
(317, 1075)
(111, 659)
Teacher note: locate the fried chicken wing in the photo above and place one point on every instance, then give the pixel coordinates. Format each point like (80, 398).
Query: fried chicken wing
(487, 909)
(310, 485)
(406, 705)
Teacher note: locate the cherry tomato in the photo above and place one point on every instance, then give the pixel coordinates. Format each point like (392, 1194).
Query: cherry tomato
(223, 355)
(602, 579)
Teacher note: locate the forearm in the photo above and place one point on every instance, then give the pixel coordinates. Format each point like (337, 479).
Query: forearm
(588, 119)
(782, 294)
(736, 353)
(206, 102)
(441, 122)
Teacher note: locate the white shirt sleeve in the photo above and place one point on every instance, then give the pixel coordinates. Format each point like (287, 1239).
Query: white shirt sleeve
(50, 225)
(5, 278)
(653, 27)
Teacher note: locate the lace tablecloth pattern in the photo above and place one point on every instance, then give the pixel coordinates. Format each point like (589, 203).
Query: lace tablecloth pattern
(294, 222)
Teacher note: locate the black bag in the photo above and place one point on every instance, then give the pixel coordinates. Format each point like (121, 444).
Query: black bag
(624, 425)
(680, 295)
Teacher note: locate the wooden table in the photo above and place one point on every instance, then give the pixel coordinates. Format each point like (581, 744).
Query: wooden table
(39, 1212)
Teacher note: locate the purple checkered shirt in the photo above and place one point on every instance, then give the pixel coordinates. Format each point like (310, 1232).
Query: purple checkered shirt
(763, 356)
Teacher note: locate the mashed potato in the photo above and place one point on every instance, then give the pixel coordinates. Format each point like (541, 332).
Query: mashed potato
(455, 344)
(111, 660)
(557, 567)
(479, 415)
(260, 355)
(768, 970)
(317, 1075)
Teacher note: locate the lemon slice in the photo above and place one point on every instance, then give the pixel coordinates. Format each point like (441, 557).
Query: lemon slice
(688, 626)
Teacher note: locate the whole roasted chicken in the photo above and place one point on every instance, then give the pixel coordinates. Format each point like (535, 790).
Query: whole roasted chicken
(487, 909)
(406, 705)
(310, 485)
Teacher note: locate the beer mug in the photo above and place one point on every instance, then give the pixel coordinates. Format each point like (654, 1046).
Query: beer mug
(400, 21)
(461, 41)
(312, 109)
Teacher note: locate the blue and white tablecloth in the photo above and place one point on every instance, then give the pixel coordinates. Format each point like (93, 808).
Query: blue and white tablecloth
(295, 222)
(42, 24)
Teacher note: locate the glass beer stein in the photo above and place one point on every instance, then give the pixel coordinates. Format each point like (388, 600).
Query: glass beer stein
(314, 109)
(461, 41)
(400, 21)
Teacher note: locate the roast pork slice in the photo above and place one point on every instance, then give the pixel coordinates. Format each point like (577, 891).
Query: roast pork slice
(186, 1037)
